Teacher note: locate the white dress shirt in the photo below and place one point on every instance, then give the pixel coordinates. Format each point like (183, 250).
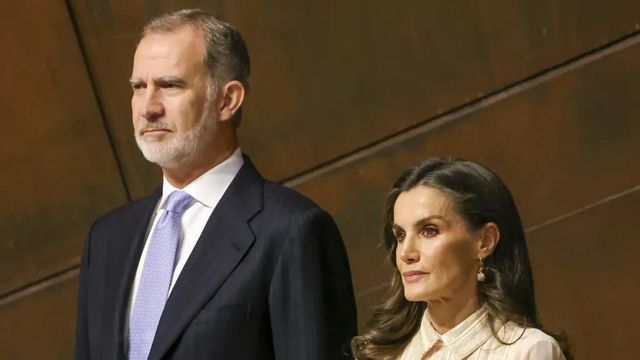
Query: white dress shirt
(472, 340)
(207, 190)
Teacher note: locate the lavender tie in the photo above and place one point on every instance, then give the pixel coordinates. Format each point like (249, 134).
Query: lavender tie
(157, 272)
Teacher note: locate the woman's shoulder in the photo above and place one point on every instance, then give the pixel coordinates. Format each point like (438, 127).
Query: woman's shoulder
(533, 343)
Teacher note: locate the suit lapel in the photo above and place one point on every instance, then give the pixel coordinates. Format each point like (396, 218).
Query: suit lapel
(124, 252)
(223, 243)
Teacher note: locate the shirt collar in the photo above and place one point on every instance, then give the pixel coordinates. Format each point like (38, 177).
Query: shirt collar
(209, 187)
(463, 339)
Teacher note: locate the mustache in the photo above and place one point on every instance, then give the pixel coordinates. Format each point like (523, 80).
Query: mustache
(154, 126)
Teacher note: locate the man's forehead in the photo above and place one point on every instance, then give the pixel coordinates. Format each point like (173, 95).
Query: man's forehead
(180, 49)
(185, 41)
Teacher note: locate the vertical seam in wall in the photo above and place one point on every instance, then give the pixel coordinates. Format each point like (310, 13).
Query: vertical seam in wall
(94, 88)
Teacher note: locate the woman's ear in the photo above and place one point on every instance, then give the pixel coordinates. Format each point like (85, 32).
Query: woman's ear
(231, 98)
(489, 236)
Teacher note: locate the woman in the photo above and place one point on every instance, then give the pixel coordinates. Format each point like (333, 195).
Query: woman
(463, 288)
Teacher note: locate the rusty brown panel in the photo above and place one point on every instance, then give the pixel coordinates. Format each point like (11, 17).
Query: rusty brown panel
(559, 145)
(42, 324)
(587, 279)
(59, 170)
(332, 76)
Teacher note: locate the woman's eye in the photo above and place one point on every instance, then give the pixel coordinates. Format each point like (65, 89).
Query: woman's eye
(399, 236)
(429, 231)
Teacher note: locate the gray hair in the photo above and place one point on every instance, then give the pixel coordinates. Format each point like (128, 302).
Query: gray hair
(226, 56)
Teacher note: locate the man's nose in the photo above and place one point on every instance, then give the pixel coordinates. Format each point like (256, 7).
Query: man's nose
(152, 107)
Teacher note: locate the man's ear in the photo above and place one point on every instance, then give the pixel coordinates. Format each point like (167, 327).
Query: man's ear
(230, 99)
(489, 235)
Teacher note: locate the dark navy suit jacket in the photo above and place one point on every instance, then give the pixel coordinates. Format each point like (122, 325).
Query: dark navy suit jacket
(268, 279)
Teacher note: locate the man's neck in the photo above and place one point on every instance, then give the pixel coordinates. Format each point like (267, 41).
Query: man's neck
(184, 174)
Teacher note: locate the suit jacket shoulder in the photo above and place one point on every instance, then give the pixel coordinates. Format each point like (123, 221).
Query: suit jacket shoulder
(129, 211)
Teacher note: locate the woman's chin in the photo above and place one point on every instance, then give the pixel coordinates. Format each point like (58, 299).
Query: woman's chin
(416, 296)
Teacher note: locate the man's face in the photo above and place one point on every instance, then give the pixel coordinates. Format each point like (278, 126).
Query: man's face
(173, 107)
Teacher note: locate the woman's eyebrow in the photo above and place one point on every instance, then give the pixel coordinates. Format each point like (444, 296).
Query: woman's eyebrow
(431, 218)
(422, 221)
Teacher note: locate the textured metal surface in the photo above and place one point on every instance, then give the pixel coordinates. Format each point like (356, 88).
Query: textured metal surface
(41, 325)
(559, 146)
(59, 172)
(330, 77)
(587, 278)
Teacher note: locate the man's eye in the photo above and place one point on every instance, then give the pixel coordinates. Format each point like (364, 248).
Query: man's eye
(429, 231)
(137, 86)
(170, 85)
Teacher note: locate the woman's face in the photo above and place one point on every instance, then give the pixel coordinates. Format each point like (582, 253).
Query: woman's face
(437, 255)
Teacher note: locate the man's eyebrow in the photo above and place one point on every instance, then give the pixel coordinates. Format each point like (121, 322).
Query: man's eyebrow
(161, 80)
(169, 80)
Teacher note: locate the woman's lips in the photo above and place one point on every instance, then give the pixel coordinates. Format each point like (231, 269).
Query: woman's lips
(413, 275)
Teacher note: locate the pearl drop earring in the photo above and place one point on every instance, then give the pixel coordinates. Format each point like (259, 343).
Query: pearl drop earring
(480, 275)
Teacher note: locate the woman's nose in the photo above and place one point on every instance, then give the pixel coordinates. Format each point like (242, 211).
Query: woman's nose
(408, 252)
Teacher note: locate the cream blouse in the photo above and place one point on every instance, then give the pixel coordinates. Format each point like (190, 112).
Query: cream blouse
(472, 340)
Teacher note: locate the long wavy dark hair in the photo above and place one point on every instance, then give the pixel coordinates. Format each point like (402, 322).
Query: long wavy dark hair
(480, 197)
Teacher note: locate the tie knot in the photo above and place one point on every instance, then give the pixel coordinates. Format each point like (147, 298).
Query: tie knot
(178, 201)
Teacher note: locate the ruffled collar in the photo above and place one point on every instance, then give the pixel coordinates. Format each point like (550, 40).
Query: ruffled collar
(457, 343)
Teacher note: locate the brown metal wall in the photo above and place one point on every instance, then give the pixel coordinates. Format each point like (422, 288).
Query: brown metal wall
(345, 95)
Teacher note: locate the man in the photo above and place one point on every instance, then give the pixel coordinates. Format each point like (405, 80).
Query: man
(219, 263)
